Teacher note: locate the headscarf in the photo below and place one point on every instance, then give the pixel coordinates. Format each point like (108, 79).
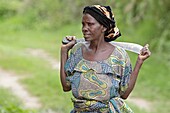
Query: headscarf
(104, 16)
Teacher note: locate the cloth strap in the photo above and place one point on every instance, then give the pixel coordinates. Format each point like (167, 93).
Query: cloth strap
(114, 105)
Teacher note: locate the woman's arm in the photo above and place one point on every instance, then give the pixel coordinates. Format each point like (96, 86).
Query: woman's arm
(145, 53)
(64, 56)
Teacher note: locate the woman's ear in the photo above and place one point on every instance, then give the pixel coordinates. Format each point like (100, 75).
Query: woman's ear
(104, 29)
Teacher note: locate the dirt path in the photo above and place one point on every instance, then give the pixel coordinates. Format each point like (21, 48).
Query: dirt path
(11, 81)
(141, 103)
(45, 56)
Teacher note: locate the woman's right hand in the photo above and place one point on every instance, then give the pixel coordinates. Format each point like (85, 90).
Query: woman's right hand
(68, 46)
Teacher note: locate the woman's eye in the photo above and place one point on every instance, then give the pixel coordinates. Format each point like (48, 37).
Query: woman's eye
(90, 24)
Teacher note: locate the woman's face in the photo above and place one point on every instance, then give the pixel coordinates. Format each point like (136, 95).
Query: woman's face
(91, 28)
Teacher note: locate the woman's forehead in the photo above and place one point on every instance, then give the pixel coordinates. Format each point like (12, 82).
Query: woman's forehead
(88, 17)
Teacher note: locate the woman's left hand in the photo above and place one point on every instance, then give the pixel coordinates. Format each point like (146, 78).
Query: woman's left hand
(145, 53)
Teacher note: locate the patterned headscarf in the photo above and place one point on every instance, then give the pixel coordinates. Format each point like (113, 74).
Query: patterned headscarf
(104, 16)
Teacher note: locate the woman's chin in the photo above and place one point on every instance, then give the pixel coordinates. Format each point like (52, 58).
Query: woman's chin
(86, 38)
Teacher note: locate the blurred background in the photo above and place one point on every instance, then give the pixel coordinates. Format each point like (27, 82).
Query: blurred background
(30, 38)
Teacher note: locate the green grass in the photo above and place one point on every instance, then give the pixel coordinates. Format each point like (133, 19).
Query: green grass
(11, 104)
(44, 82)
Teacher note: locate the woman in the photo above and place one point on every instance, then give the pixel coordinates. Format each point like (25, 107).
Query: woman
(98, 73)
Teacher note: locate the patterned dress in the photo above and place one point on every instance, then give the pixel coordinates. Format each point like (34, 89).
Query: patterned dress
(98, 85)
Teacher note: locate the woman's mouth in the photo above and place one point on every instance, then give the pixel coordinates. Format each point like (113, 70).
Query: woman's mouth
(86, 35)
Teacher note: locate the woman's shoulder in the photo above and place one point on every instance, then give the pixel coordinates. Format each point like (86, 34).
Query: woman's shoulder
(119, 52)
(76, 47)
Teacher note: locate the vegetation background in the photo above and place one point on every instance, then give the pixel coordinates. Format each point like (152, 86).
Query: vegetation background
(40, 25)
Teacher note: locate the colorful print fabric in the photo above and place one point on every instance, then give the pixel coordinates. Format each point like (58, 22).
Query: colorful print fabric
(98, 85)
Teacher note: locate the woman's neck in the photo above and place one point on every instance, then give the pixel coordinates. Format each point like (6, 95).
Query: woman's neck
(97, 52)
(97, 45)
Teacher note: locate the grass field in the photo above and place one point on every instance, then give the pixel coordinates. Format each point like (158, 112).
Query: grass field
(42, 81)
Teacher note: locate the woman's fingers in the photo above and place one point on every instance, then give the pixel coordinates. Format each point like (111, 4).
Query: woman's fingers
(145, 52)
(71, 42)
(70, 38)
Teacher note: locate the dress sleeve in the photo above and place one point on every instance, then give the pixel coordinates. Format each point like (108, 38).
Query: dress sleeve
(72, 60)
(69, 66)
(126, 73)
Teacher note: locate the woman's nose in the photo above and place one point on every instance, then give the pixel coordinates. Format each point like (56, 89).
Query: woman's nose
(84, 28)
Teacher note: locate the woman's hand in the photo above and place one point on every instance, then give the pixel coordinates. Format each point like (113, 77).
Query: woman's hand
(68, 46)
(144, 54)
